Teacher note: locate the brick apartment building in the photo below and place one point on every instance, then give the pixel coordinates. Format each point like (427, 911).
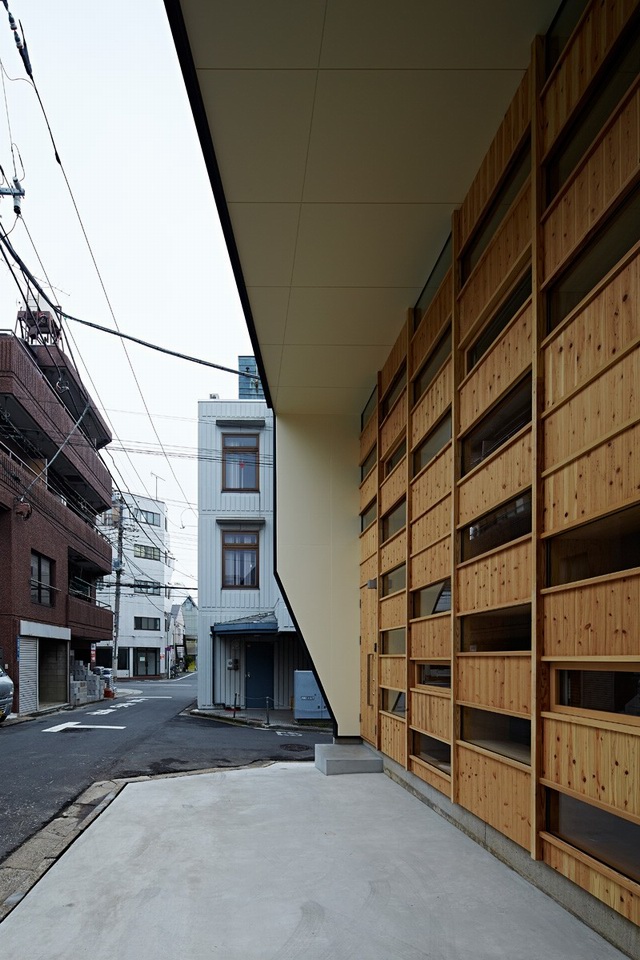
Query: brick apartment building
(52, 486)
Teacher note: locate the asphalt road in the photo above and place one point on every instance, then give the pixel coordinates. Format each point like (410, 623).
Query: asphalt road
(46, 763)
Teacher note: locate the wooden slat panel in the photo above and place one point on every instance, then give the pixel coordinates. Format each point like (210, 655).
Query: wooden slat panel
(432, 525)
(368, 436)
(431, 638)
(394, 425)
(607, 477)
(600, 407)
(431, 776)
(432, 323)
(393, 611)
(393, 738)
(501, 681)
(431, 565)
(393, 488)
(593, 620)
(368, 489)
(579, 61)
(368, 542)
(393, 553)
(369, 570)
(593, 186)
(596, 335)
(433, 404)
(615, 895)
(497, 793)
(393, 672)
(433, 484)
(368, 664)
(507, 138)
(500, 578)
(499, 259)
(501, 478)
(595, 763)
(508, 357)
(394, 360)
(431, 714)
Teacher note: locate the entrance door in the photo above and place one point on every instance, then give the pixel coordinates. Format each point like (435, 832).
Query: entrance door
(258, 683)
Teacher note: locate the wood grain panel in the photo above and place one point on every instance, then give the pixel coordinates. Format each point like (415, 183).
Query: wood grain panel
(431, 714)
(579, 62)
(502, 477)
(368, 542)
(431, 564)
(394, 487)
(497, 793)
(369, 570)
(432, 485)
(394, 552)
(503, 682)
(605, 326)
(602, 406)
(432, 525)
(431, 637)
(596, 182)
(368, 664)
(595, 763)
(435, 778)
(433, 404)
(394, 425)
(501, 577)
(496, 160)
(584, 871)
(432, 324)
(368, 489)
(500, 367)
(497, 262)
(393, 738)
(607, 477)
(393, 672)
(394, 361)
(368, 436)
(593, 620)
(393, 611)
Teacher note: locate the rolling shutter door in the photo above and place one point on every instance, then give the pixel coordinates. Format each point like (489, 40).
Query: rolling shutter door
(28, 673)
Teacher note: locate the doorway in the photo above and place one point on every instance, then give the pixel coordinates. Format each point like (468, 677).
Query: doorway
(258, 683)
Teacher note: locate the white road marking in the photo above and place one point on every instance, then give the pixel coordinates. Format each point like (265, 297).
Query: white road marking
(287, 733)
(76, 725)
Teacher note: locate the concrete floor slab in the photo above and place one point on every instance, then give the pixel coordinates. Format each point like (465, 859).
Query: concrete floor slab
(283, 863)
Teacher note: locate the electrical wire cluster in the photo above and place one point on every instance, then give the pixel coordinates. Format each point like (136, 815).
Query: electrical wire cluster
(32, 291)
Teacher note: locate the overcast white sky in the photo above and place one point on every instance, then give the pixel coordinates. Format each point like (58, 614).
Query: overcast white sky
(112, 88)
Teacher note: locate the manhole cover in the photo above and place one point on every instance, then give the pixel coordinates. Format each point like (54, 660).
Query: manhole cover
(294, 747)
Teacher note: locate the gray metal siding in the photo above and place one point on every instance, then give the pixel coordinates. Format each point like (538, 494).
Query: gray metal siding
(28, 673)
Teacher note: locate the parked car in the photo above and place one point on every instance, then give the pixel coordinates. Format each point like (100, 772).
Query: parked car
(6, 695)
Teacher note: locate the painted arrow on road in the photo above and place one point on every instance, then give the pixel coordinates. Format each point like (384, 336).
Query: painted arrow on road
(76, 725)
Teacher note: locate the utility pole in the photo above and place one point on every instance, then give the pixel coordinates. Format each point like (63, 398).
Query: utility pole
(119, 506)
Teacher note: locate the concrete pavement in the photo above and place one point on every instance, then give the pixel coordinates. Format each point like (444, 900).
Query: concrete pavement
(283, 863)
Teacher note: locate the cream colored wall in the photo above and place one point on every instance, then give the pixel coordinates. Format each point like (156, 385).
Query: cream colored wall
(317, 548)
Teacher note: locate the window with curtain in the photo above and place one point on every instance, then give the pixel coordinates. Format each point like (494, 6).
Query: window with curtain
(240, 462)
(240, 559)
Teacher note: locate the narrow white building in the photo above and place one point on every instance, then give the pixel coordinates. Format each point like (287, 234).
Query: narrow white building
(146, 628)
(248, 647)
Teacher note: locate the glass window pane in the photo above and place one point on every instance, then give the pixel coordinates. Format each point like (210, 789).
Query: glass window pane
(432, 444)
(500, 526)
(435, 362)
(435, 598)
(394, 580)
(501, 423)
(595, 549)
(497, 630)
(393, 701)
(393, 641)
(501, 320)
(434, 674)
(394, 521)
(431, 287)
(432, 751)
(508, 736)
(369, 515)
(607, 691)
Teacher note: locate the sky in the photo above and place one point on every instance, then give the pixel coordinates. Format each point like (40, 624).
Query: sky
(112, 89)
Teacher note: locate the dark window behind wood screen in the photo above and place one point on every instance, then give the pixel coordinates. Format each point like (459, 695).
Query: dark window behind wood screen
(498, 527)
(502, 422)
(595, 549)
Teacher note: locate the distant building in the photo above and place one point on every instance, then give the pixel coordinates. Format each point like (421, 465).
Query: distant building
(247, 644)
(249, 389)
(190, 617)
(51, 552)
(145, 634)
